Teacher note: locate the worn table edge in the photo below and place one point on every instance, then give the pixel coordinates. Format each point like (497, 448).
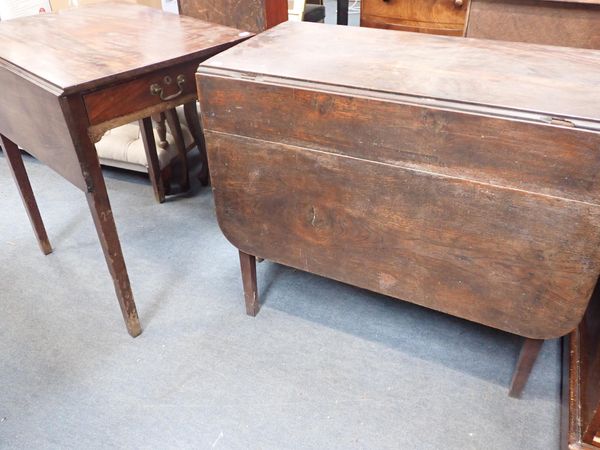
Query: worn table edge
(498, 111)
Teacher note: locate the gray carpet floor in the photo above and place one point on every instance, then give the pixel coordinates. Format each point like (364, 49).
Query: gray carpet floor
(323, 366)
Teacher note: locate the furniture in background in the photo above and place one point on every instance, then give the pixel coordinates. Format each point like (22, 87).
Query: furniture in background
(342, 12)
(581, 382)
(125, 147)
(569, 23)
(306, 10)
(574, 23)
(78, 92)
(468, 189)
(446, 17)
(251, 15)
(255, 15)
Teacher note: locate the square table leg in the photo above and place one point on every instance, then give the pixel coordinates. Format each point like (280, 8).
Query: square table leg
(248, 266)
(17, 168)
(527, 357)
(109, 239)
(193, 120)
(147, 133)
(175, 127)
(99, 204)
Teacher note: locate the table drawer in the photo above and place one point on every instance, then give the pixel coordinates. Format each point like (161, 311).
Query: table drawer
(376, 22)
(166, 86)
(429, 16)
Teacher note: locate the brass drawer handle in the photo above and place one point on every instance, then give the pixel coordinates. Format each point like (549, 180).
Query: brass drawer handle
(157, 89)
(458, 3)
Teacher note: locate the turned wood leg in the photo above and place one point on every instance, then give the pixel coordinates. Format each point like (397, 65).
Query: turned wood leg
(154, 171)
(161, 129)
(109, 239)
(17, 168)
(527, 357)
(248, 265)
(193, 121)
(175, 127)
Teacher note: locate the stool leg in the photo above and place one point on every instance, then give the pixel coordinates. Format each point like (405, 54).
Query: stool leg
(175, 126)
(248, 266)
(15, 162)
(154, 171)
(193, 121)
(159, 123)
(529, 352)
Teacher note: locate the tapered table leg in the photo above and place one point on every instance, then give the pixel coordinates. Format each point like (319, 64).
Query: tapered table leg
(109, 239)
(152, 157)
(15, 162)
(175, 126)
(193, 121)
(248, 266)
(529, 352)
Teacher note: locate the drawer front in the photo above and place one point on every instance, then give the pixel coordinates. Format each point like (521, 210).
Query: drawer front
(376, 22)
(426, 16)
(160, 89)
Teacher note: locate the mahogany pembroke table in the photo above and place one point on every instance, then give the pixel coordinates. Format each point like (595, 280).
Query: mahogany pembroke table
(458, 174)
(66, 78)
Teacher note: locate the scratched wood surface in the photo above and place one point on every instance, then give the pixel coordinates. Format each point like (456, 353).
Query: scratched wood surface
(250, 15)
(449, 201)
(57, 47)
(553, 81)
(493, 255)
(557, 161)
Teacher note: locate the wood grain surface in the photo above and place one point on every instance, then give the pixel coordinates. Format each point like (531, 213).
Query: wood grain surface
(130, 97)
(431, 16)
(250, 15)
(60, 72)
(453, 173)
(31, 116)
(545, 159)
(540, 22)
(468, 73)
(517, 261)
(58, 47)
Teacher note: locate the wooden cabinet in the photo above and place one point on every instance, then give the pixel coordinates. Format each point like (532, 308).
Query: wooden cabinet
(248, 15)
(570, 23)
(426, 16)
(457, 174)
(565, 23)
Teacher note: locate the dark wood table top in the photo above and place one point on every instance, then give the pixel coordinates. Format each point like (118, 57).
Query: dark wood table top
(81, 47)
(558, 82)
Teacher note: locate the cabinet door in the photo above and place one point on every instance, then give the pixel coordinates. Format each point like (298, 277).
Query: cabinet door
(426, 16)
